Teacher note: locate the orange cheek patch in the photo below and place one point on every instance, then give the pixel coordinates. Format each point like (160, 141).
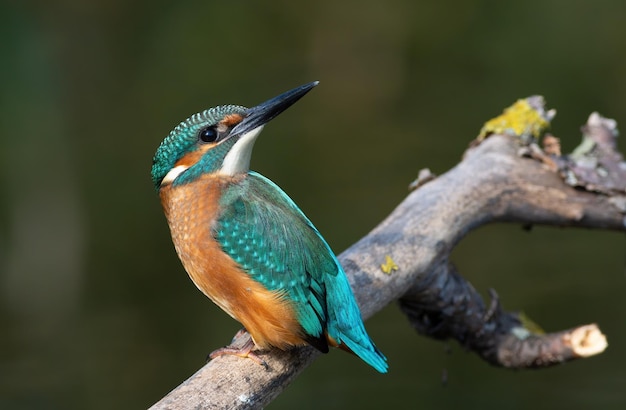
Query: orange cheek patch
(194, 156)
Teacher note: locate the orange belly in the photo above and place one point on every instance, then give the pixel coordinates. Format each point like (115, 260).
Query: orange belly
(268, 316)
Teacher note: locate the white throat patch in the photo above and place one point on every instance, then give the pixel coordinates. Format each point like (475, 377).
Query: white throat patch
(173, 174)
(237, 161)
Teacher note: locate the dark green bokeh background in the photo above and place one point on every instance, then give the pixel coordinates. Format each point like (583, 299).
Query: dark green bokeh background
(96, 311)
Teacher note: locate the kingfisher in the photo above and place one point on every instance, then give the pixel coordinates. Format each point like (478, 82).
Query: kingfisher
(245, 243)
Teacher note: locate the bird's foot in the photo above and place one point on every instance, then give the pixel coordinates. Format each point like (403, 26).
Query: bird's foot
(244, 351)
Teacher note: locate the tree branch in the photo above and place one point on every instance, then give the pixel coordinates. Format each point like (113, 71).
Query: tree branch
(493, 183)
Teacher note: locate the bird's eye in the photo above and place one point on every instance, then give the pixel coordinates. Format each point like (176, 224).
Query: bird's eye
(208, 135)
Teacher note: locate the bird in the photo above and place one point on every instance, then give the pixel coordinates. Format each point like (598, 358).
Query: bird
(245, 243)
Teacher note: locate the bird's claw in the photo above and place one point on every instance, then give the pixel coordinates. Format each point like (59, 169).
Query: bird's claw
(244, 351)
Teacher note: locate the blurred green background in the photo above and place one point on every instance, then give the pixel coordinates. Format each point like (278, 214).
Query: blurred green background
(96, 311)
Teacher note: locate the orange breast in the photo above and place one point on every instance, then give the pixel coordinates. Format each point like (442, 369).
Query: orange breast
(191, 209)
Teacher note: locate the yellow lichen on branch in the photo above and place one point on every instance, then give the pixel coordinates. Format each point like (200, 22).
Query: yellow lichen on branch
(523, 119)
(389, 265)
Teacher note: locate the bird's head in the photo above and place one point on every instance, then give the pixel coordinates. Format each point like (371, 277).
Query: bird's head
(217, 140)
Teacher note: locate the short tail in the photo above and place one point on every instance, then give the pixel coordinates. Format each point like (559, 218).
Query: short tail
(345, 327)
(369, 353)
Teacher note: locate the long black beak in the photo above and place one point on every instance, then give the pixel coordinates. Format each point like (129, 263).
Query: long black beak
(265, 112)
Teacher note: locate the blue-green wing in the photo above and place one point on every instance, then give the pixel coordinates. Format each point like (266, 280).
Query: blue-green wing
(264, 231)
